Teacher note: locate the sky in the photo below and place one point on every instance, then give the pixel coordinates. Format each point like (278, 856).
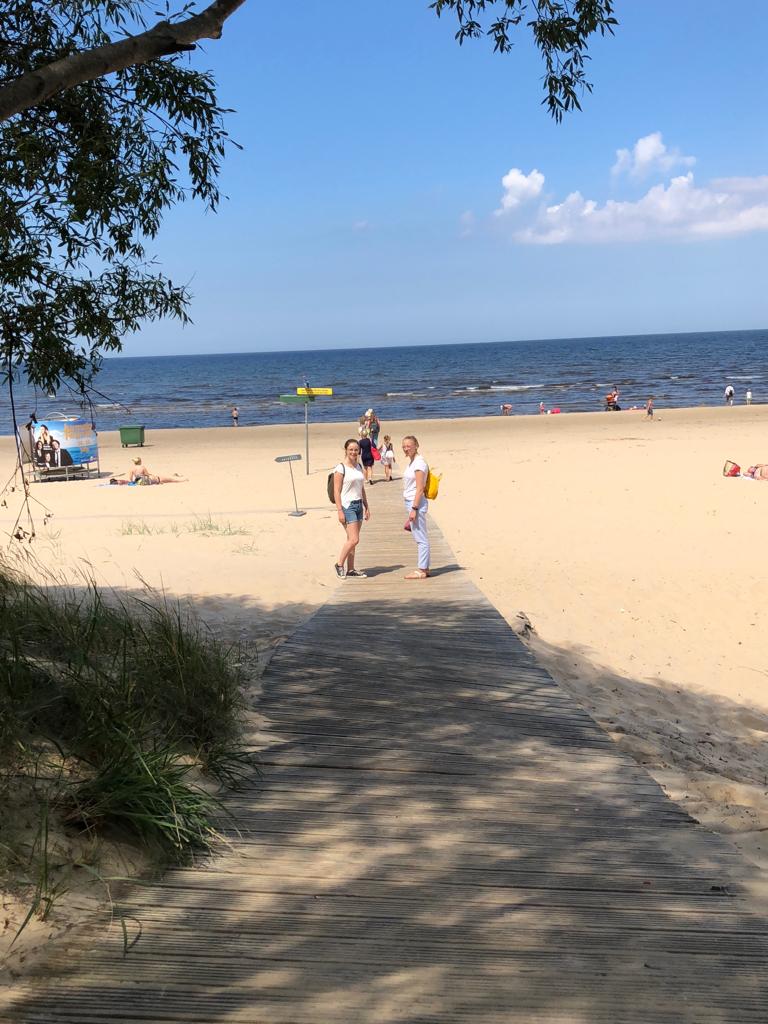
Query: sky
(395, 188)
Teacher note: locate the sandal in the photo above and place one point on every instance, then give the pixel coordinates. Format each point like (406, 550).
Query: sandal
(417, 574)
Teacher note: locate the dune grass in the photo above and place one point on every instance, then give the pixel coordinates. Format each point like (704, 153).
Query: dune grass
(204, 526)
(113, 710)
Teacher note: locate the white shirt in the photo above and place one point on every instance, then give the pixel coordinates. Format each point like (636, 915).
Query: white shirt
(352, 485)
(387, 455)
(409, 479)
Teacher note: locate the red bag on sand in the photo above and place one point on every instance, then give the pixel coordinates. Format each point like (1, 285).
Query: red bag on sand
(731, 468)
(375, 453)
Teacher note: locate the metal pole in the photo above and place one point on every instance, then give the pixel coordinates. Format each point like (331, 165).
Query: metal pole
(293, 485)
(306, 431)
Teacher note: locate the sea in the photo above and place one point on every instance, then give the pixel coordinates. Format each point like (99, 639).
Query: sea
(413, 382)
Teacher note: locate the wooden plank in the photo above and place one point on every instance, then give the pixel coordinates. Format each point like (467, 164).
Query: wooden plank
(439, 835)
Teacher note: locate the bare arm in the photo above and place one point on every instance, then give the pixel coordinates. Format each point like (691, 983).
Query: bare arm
(338, 480)
(421, 483)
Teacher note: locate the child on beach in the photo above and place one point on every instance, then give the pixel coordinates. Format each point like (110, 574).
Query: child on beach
(649, 408)
(387, 456)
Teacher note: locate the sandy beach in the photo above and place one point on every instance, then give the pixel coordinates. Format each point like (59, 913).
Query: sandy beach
(637, 565)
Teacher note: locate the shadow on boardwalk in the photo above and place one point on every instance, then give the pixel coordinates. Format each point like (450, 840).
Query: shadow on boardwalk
(440, 834)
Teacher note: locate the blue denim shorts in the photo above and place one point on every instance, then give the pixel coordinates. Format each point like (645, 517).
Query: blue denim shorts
(354, 513)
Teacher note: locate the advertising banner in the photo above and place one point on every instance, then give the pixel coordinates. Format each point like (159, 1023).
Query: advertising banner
(67, 442)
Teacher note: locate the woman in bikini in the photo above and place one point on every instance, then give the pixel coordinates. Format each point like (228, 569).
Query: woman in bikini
(139, 474)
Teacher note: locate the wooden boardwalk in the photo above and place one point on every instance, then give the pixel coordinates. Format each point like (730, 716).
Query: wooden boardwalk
(440, 835)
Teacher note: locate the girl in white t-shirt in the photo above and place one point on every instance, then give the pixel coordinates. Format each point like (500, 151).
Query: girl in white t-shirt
(387, 453)
(416, 505)
(351, 506)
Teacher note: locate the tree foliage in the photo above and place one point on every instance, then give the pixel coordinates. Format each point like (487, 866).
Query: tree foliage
(561, 31)
(104, 125)
(85, 178)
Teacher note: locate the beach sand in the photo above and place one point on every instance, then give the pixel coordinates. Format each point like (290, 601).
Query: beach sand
(638, 566)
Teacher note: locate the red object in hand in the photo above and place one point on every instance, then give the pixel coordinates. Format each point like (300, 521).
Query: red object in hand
(407, 525)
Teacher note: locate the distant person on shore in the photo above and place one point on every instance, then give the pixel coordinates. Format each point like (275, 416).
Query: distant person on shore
(139, 474)
(505, 408)
(649, 408)
(416, 506)
(748, 396)
(387, 456)
(374, 427)
(542, 409)
(362, 426)
(351, 506)
(728, 394)
(235, 416)
(366, 457)
(612, 400)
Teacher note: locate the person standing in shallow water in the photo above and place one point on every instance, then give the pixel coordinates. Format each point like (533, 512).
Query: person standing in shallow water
(235, 416)
(351, 506)
(416, 505)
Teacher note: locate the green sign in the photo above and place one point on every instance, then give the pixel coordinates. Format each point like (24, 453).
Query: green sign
(297, 399)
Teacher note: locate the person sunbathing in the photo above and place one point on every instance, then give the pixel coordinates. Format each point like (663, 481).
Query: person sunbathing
(758, 472)
(139, 474)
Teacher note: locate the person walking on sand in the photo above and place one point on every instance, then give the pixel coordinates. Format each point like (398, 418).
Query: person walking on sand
(374, 427)
(649, 408)
(387, 456)
(235, 416)
(366, 457)
(416, 505)
(748, 396)
(728, 394)
(351, 507)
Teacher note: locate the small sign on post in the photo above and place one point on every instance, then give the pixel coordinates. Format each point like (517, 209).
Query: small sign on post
(289, 459)
(303, 397)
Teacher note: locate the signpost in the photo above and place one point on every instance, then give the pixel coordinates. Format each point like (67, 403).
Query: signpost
(303, 397)
(289, 459)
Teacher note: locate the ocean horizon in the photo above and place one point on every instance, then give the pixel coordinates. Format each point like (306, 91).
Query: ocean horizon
(414, 381)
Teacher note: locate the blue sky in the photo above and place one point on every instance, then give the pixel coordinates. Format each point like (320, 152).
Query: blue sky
(368, 206)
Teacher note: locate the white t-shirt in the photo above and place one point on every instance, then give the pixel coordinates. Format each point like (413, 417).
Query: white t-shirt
(409, 479)
(352, 485)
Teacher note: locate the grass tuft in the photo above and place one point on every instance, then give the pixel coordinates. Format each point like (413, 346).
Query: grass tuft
(111, 708)
(203, 526)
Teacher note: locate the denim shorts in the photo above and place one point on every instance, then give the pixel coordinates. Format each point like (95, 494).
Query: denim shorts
(354, 513)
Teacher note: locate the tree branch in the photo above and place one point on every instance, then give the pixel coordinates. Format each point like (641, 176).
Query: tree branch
(165, 38)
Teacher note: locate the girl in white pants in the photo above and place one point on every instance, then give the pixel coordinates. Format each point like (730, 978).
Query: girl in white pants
(416, 505)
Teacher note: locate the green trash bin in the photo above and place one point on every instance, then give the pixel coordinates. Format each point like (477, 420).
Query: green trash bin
(133, 433)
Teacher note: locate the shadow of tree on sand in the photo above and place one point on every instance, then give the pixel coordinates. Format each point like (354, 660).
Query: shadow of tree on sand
(439, 834)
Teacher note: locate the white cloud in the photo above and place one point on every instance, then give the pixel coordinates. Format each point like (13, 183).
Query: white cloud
(519, 188)
(360, 225)
(648, 155)
(680, 210)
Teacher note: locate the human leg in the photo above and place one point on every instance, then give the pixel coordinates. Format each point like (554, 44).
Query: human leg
(420, 535)
(347, 554)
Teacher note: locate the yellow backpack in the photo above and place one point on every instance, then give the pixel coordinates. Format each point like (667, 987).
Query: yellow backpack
(432, 486)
